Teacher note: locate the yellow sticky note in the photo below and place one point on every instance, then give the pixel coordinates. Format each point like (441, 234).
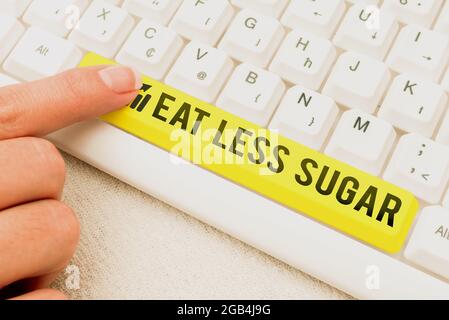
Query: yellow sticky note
(332, 192)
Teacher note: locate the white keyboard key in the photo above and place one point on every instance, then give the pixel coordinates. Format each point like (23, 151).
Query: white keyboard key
(203, 20)
(362, 141)
(41, 54)
(442, 24)
(358, 81)
(160, 11)
(252, 37)
(445, 81)
(304, 59)
(365, 29)
(446, 200)
(443, 133)
(421, 166)
(422, 12)
(414, 105)
(10, 32)
(200, 71)
(428, 246)
(268, 7)
(420, 51)
(14, 7)
(151, 49)
(58, 17)
(252, 93)
(6, 80)
(372, 2)
(305, 116)
(319, 16)
(102, 28)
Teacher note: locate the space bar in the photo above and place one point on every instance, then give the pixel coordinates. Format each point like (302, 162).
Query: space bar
(330, 191)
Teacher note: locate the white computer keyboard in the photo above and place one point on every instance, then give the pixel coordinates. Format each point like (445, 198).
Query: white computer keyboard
(370, 77)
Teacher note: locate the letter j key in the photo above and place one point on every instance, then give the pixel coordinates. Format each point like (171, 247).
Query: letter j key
(358, 81)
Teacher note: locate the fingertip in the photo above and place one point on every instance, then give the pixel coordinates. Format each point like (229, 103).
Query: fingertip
(39, 107)
(121, 79)
(137, 79)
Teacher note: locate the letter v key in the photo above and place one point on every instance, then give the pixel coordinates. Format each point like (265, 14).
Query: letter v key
(200, 55)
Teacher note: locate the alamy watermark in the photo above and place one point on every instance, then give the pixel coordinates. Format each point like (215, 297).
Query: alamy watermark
(229, 147)
(73, 277)
(372, 280)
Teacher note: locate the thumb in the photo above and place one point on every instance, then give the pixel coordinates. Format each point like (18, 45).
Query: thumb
(40, 107)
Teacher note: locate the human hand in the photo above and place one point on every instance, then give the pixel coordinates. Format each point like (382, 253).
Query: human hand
(38, 233)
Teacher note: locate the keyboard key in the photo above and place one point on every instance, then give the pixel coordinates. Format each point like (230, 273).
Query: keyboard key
(252, 93)
(200, 71)
(362, 140)
(6, 80)
(414, 11)
(268, 7)
(357, 81)
(446, 200)
(305, 116)
(421, 52)
(443, 134)
(445, 81)
(10, 32)
(421, 166)
(414, 105)
(304, 59)
(58, 17)
(41, 54)
(203, 20)
(151, 48)
(428, 246)
(359, 204)
(363, 31)
(252, 38)
(442, 24)
(320, 17)
(102, 28)
(14, 7)
(372, 2)
(160, 11)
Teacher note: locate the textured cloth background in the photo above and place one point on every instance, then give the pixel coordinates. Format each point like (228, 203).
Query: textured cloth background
(135, 247)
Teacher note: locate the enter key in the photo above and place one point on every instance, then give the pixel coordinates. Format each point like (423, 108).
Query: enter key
(429, 243)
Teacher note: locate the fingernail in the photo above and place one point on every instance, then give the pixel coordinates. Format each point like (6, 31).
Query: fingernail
(121, 79)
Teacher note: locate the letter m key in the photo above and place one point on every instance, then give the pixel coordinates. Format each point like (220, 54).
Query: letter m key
(361, 126)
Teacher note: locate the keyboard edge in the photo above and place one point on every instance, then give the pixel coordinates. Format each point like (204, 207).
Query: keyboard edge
(334, 258)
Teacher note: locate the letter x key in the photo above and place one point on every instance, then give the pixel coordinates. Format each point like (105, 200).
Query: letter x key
(103, 14)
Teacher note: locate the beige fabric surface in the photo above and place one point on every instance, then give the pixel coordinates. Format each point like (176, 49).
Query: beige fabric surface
(134, 246)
